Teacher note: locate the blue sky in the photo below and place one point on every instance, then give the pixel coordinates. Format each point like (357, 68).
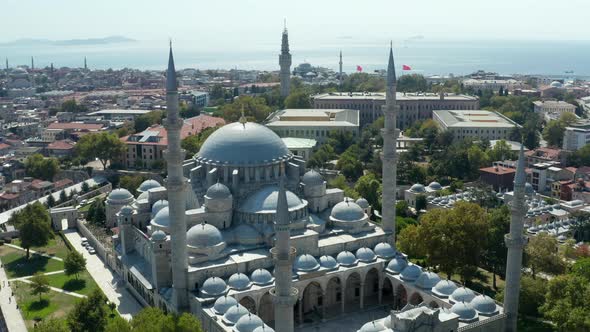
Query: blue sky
(223, 24)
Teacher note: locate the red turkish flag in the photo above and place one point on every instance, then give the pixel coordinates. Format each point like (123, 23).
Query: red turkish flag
(359, 68)
(406, 67)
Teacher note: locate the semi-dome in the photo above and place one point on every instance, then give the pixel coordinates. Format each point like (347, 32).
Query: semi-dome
(120, 194)
(239, 281)
(365, 255)
(158, 236)
(306, 263)
(248, 235)
(396, 265)
(427, 280)
(233, 314)
(347, 211)
(261, 277)
(346, 258)
(243, 144)
(159, 205)
(147, 185)
(484, 305)
(465, 312)
(214, 286)
(217, 191)
(203, 236)
(223, 303)
(385, 250)
(417, 188)
(444, 288)
(435, 185)
(363, 203)
(312, 178)
(462, 294)
(328, 262)
(248, 323)
(162, 218)
(411, 273)
(373, 327)
(265, 200)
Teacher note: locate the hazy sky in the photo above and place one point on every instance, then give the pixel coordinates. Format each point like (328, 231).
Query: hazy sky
(245, 23)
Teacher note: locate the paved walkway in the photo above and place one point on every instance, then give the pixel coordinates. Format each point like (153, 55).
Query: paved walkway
(59, 290)
(12, 316)
(106, 279)
(29, 277)
(31, 251)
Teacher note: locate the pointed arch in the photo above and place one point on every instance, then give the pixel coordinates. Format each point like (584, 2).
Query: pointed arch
(266, 310)
(249, 304)
(371, 291)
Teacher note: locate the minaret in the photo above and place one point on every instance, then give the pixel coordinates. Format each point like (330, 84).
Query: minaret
(284, 295)
(6, 63)
(175, 185)
(340, 74)
(32, 64)
(515, 242)
(389, 155)
(285, 63)
(85, 64)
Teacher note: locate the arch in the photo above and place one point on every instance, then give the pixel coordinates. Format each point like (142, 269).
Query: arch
(352, 290)
(333, 298)
(401, 297)
(249, 304)
(387, 291)
(433, 305)
(416, 298)
(371, 291)
(266, 310)
(313, 299)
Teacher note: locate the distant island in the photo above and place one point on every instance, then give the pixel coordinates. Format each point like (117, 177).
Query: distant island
(70, 42)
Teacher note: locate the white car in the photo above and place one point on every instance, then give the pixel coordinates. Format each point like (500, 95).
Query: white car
(91, 251)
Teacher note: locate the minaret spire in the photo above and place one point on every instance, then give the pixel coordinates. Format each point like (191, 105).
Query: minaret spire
(340, 72)
(6, 63)
(285, 64)
(515, 242)
(85, 64)
(389, 155)
(176, 187)
(32, 63)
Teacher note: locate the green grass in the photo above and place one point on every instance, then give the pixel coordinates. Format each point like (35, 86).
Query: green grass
(55, 247)
(85, 208)
(84, 284)
(17, 265)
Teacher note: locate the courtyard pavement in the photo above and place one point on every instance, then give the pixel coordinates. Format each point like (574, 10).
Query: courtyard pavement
(12, 316)
(349, 322)
(106, 279)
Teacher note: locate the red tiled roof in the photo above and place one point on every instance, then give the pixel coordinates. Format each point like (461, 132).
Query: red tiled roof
(60, 145)
(571, 169)
(498, 170)
(62, 183)
(8, 196)
(75, 126)
(4, 146)
(544, 153)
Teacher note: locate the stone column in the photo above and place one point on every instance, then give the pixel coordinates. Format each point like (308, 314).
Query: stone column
(362, 292)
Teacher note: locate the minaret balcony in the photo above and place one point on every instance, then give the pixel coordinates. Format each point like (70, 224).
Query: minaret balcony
(515, 242)
(277, 256)
(289, 300)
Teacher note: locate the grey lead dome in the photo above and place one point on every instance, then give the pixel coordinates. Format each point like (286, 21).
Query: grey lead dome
(203, 236)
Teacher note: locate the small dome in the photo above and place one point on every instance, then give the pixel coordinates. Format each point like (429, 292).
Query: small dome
(444, 288)
(264, 328)
(363, 203)
(306, 263)
(143, 196)
(203, 236)
(239, 281)
(347, 211)
(396, 265)
(159, 205)
(162, 218)
(528, 189)
(126, 210)
(233, 314)
(261, 277)
(346, 258)
(462, 294)
(556, 84)
(435, 186)
(384, 250)
(417, 188)
(312, 178)
(248, 323)
(223, 303)
(411, 273)
(266, 198)
(387, 321)
(373, 327)
(158, 236)
(465, 312)
(427, 280)
(214, 286)
(120, 194)
(328, 262)
(484, 305)
(218, 191)
(365, 255)
(147, 185)
(245, 233)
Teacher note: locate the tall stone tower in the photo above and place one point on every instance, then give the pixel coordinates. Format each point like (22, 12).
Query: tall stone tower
(175, 185)
(85, 64)
(340, 72)
(32, 63)
(284, 295)
(515, 242)
(285, 63)
(389, 155)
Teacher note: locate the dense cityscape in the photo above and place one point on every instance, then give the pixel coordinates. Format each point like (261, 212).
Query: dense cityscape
(301, 199)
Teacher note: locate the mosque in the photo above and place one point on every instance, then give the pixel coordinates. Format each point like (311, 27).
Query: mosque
(246, 239)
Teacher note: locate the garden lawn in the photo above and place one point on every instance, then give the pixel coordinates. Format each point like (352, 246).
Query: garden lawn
(83, 285)
(55, 247)
(17, 265)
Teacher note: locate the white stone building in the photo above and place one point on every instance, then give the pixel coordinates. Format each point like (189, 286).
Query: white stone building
(476, 124)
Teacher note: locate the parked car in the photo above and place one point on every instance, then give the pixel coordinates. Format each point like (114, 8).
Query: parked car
(91, 251)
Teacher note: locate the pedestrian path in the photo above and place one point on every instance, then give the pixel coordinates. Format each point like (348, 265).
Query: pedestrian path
(12, 316)
(59, 290)
(29, 277)
(32, 251)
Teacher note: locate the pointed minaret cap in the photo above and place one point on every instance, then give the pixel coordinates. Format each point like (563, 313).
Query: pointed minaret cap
(520, 177)
(171, 83)
(391, 68)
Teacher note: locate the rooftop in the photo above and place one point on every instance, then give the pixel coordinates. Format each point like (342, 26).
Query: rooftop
(473, 118)
(299, 143)
(400, 96)
(315, 117)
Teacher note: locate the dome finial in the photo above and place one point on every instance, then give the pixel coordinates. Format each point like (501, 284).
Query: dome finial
(243, 119)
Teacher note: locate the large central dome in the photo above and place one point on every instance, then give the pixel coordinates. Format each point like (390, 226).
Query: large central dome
(243, 144)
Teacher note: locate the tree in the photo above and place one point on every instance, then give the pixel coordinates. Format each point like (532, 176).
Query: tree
(582, 268)
(581, 157)
(74, 263)
(85, 187)
(402, 209)
(192, 144)
(51, 325)
(144, 121)
(39, 284)
(50, 201)
(118, 324)
(103, 146)
(369, 187)
(542, 255)
(73, 107)
(40, 167)
(412, 83)
(89, 314)
(255, 109)
(63, 197)
(131, 182)
(421, 202)
(567, 303)
(298, 99)
(553, 133)
(152, 319)
(187, 323)
(531, 297)
(495, 250)
(409, 241)
(500, 151)
(34, 226)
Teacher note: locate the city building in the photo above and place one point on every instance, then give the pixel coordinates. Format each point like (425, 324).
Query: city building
(542, 155)
(500, 178)
(552, 109)
(542, 175)
(475, 124)
(417, 189)
(301, 147)
(576, 136)
(494, 85)
(119, 114)
(413, 106)
(313, 123)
